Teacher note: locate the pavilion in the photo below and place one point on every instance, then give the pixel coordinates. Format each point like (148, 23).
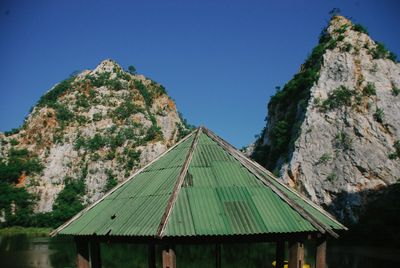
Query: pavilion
(201, 190)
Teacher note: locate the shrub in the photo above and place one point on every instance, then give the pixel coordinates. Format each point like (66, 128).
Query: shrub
(99, 80)
(343, 141)
(378, 115)
(115, 84)
(392, 56)
(153, 133)
(12, 132)
(182, 131)
(110, 154)
(17, 205)
(185, 122)
(331, 177)
(324, 158)
(126, 109)
(396, 153)
(369, 89)
(342, 96)
(144, 92)
(95, 143)
(79, 143)
(81, 101)
(17, 162)
(117, 140)
(111, 181)
(14, 142)
(131, 69)
(97, 116)
(68, 201)
(348, 47)
(342, 29)
(132, 157)
(280, 135)
(63, 114)
(395, 90)
(380, 52)
(51, 96)
(359, 28)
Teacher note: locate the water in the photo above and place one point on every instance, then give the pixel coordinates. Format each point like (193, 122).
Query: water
(27, 251)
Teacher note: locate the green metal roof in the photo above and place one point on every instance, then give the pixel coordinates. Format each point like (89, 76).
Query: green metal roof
(201, 186)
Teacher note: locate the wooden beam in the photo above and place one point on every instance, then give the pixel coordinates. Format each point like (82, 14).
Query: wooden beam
(218, 255)
(95, 256)
(296, 254)
(178, 186)
(320, 258)
(82, 250)
(280, 254)
(168, 258)
(152, 255)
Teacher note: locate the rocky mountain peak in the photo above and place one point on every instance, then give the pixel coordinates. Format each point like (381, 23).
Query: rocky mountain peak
(93, 130)
(332, 131)
(107, 65)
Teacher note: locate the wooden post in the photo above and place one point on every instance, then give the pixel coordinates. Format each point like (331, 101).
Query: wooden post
(95, 256)
(320, 258)
(82, 249)
(168, 258)
(296, 254)
(152, 255)
(280, 254)
(218, 255)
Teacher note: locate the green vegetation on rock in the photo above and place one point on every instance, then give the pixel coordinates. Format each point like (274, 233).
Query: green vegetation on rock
(343, 141)
(378, 115)
(369, 89)
(285, 107)
(111, 181)
(396, 153)
(342, 96)
(68, 201)
(380, 52)
(17, 205)
(359, 28)
(51, 97)
(17, 162)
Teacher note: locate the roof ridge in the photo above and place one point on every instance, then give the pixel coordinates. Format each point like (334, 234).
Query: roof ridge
(258, 172)
(60, 228)
(178, 184)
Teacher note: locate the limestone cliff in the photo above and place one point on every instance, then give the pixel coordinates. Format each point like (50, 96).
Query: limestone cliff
(333, 131)
(97, 126)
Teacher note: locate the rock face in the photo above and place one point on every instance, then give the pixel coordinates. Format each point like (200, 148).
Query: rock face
(99, 126)
(344, 130)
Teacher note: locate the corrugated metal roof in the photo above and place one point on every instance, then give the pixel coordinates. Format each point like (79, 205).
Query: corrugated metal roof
(219, 195)
(135, 208)
(225, 198)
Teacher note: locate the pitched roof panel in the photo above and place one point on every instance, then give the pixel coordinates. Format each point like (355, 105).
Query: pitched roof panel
(201, 186)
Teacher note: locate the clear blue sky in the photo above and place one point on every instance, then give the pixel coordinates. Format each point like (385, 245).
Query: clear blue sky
(220, 60)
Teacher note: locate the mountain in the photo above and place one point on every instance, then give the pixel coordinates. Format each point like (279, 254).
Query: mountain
(333, 131)
(85, 135)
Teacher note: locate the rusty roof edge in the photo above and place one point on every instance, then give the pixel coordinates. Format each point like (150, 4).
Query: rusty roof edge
(178, 185)
(77, 216)
(250, 166)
